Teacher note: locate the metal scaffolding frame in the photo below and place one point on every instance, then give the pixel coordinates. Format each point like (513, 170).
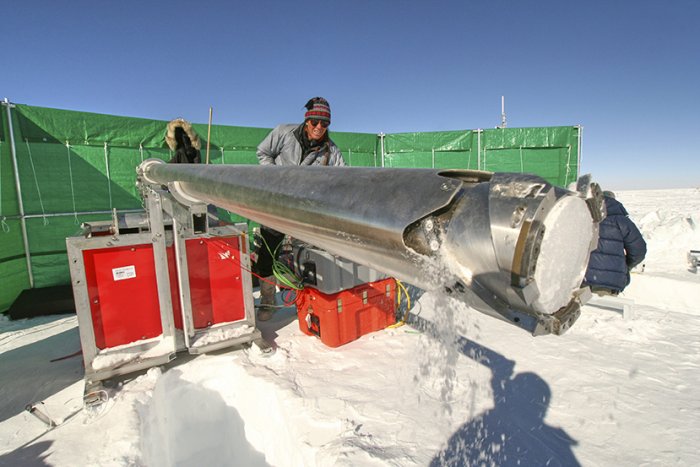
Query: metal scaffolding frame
(18, 188)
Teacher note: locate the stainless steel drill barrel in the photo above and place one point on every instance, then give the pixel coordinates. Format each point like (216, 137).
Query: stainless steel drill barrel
(509, 245)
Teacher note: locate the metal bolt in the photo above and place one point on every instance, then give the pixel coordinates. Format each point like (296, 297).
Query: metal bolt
(518, 215)
(445, 186)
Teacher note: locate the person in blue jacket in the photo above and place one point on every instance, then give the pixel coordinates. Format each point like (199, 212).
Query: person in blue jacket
(620, 248)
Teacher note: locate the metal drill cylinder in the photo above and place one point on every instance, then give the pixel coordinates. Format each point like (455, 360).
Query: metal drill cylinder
(492, 239)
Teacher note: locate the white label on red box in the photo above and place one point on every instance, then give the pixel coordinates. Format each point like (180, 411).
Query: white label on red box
(127, 272)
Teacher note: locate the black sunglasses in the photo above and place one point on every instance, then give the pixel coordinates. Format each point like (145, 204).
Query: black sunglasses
(315, 122)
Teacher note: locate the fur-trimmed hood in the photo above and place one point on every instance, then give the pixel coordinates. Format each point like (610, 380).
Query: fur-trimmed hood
(187, 128)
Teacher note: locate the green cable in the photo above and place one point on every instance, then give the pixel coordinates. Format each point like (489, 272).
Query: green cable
(284, 275)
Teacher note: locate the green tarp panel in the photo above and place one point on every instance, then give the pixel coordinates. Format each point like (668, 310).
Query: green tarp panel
(551, 152)
(443, 149)
(78, 166)
(13, 263)
(47, 246)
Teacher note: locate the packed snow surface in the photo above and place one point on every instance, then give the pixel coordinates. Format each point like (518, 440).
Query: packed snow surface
(456, 388)
(122, 354)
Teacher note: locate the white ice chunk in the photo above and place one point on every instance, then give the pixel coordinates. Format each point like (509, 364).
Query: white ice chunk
(564, 253)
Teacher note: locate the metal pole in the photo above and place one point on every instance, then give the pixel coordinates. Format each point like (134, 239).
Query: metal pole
(18, 189)
(82, 213)
(209, 132)
(503, 111)
(381, 146)
(67, 214)
(580, 145)
(478, 149)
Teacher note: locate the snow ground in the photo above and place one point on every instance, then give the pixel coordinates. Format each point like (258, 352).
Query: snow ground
(457, 389)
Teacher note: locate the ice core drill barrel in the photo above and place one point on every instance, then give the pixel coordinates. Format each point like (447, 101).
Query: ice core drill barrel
(509, 245)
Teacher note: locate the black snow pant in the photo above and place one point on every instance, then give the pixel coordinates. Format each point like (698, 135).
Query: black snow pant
(273, 239)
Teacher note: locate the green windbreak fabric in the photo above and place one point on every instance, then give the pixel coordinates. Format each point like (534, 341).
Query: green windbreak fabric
(8, 192)
(13, 263)
(78, 166)
(443, 149)
(359, 149)
(55, 126)
(551, 152)
(47, 246)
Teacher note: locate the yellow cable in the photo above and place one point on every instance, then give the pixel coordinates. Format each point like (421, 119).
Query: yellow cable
(408, 305)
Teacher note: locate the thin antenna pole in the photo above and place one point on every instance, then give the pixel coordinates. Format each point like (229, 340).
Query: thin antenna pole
(503, 112)
(381, 145)
(209, 133)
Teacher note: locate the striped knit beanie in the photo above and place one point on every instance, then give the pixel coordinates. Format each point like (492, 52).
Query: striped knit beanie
(319, 109)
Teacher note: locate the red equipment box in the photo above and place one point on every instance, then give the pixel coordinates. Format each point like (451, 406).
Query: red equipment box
(123, 292)
(123, 303)
(342, 317)
(216, 289)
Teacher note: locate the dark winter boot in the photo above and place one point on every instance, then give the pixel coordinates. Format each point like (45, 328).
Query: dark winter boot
(268, 289)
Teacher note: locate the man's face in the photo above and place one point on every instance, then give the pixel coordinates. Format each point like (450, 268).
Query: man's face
(315, 129)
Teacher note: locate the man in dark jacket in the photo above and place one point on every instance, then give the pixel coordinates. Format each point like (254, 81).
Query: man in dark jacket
(292, 144)
(183, 140)
(620, 248)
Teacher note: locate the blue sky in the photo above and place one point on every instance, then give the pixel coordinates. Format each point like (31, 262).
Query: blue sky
(627, 71)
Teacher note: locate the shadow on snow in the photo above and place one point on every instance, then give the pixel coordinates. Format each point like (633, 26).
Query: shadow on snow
(514, 432)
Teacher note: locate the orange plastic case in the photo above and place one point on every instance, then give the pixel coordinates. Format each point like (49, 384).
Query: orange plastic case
(342, 317)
